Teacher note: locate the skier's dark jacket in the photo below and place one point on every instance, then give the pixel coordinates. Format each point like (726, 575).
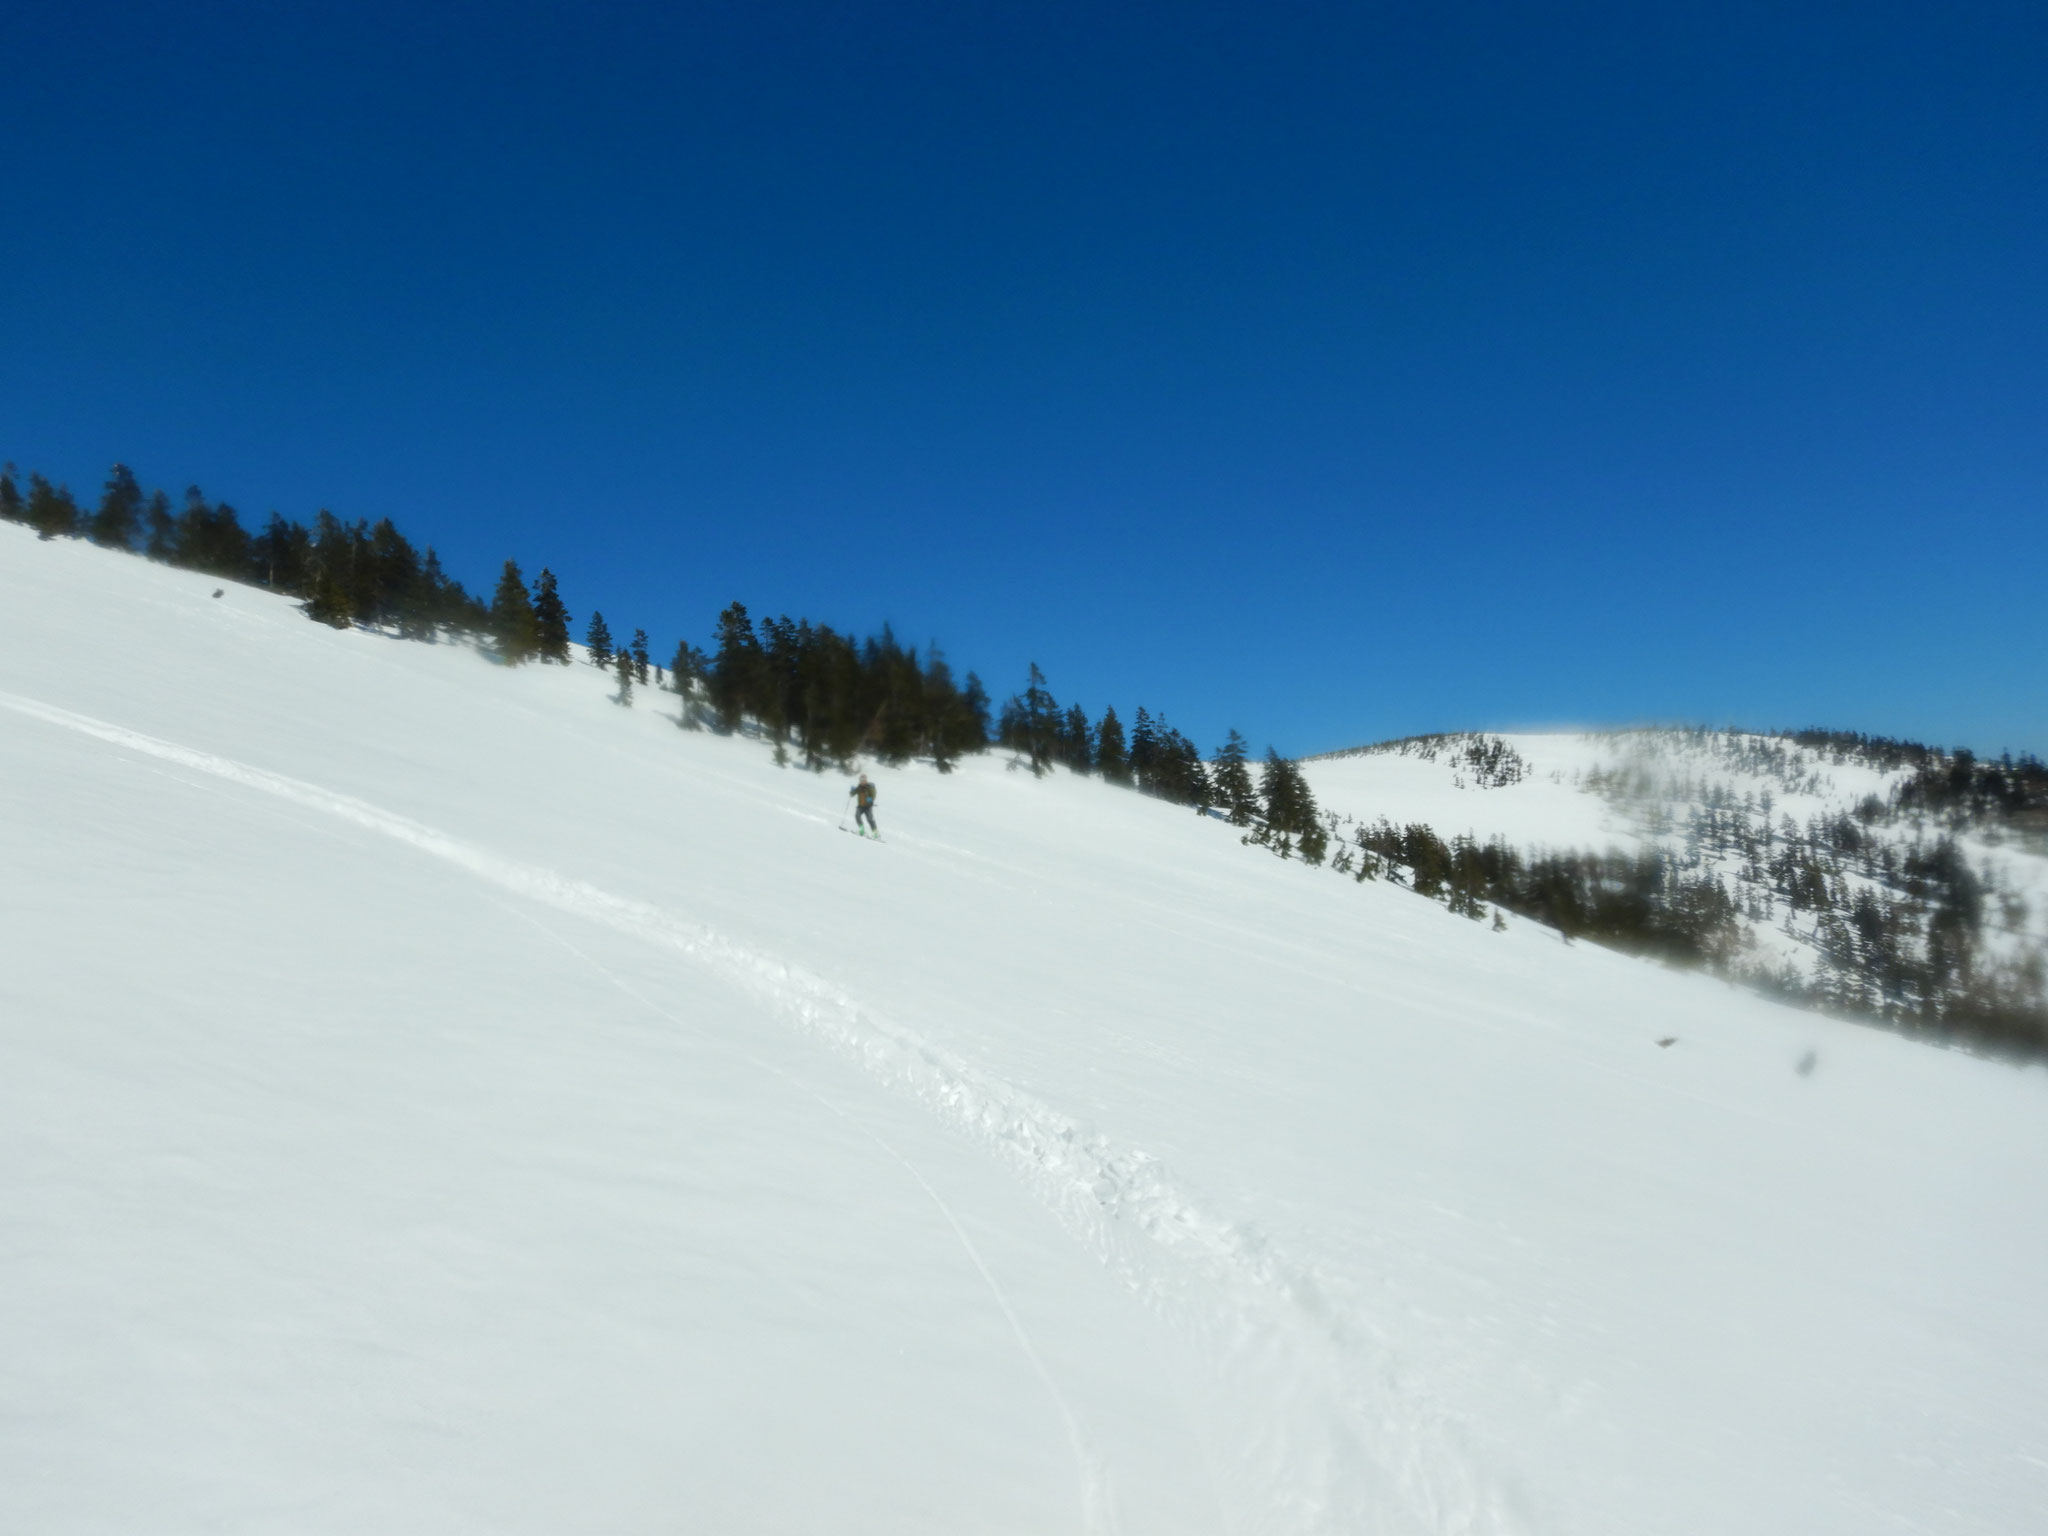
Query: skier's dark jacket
(866, 792)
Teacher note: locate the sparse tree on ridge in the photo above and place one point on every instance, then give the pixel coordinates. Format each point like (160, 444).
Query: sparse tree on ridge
(736, 669)
(686, 673)
(1041, 720)
(327, 603)
(949, 727)
(1292, 819)
(120, 512)
(1030, 722)
(1144, 750)
(1181, 776)
(1112, 757)
(282, 552)
(211, 538)
(597, 639)
(51, 511)
(512, 620)
(639, 655)
(1233, 781)
(974, 707)
(550, 619)
(331, 557)
(13, 508)
(446, 601)
(624, 661)
(390, 574)
(1076, 740)
(161, 540)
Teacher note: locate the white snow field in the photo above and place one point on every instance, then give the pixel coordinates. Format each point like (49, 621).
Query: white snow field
(434, 1098)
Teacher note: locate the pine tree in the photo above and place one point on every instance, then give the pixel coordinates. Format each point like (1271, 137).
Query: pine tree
(1274, 790)
(1183, 778)
(1076, 740)
(640, 655)
(12, 508)
(330, 554)
(1315, 842)
(161, 542)
(550, 619)
(687, 667)
(1041, 719)
(941, 710)
(625, 671)
(974, 715)
(51, 511)
(120, 511)
(390, 577)
(359, 573)
(1111, 756)
(736, 670)
(281, 554)
(1031, 722)
(330, 561)
(328, 604)
(1291, 812)
(446, 602)
(895, 690)
(1144, 750)
(1233, 780)
(597, 639)
(210, 538)
(512, 620)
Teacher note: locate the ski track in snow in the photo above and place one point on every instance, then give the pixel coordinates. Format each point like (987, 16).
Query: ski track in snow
(1098, 1495)
(1317, 1412)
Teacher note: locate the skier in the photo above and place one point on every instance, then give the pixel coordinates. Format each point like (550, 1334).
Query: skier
(864, 796)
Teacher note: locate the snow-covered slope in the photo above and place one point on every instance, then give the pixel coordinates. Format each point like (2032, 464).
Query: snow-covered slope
(434, 1098)
(1723, 804)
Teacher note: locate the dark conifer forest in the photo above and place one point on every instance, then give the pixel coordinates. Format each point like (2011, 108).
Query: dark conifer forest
(1898, 921)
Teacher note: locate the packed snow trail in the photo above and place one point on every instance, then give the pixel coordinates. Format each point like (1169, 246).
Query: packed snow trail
(1326, 1428)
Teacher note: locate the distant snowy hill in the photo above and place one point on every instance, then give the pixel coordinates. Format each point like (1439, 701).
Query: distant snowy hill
(436, 1098)
(1879, 878)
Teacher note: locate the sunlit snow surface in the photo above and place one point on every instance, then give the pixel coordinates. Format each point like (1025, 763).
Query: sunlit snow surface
(434, 1098)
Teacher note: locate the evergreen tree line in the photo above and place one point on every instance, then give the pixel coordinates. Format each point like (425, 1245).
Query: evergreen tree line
(1151, 756)
(823, 697)
(344, 572)
(1644, 902)
(1156, 759)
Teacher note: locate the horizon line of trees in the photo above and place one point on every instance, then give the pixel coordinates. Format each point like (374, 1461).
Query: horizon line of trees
(1156, 759)
(1899, 942)
(820, 696)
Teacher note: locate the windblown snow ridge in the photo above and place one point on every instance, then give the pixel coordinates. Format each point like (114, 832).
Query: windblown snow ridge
(1330, 1437)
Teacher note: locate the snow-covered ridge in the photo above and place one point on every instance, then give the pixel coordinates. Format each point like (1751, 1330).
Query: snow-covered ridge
(436, 1097)
(1840, 877)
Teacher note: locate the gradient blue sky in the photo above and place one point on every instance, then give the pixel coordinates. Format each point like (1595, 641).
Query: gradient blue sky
(1331, 371)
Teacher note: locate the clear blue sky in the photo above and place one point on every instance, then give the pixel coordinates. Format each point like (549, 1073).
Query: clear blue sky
(1330, 371)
